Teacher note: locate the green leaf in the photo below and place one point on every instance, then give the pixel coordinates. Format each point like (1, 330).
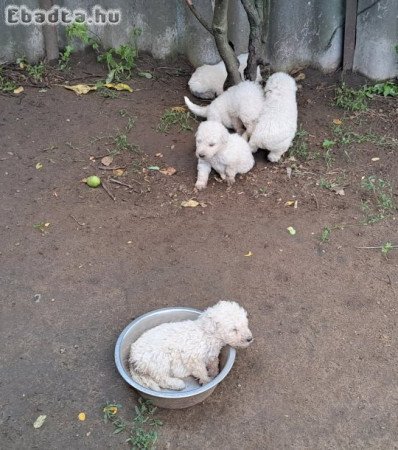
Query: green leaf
(145, 75)
(111, 76)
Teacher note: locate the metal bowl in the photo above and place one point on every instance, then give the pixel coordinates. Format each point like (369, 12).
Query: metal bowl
(193, 393)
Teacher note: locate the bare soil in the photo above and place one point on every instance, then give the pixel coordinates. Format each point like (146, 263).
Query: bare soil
(322, 372)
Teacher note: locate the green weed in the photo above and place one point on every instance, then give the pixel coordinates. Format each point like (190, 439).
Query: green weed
(6, 85)
(325, 234)
(379, 203)
(299, 148)
(119, 61)
(142, 430)
(351, 99)
(357, 99)
(175, 117)
(36, 71)
(386, 249)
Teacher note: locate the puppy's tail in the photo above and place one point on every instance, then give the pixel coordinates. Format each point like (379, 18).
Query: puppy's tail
(200, 111)
(144, 380)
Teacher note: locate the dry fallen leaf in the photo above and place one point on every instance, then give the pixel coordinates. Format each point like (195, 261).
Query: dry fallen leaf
(118, 86)
(39, 166)
(80, 89)
(189, 203)
(107, 160)
(39, 421)
(159, 155)
(18, 90)
(337, 121)
(290, 203)
(289, 172)
(291, 231)
(249, 254)
(300, 76)
(375, 159)
(168, 171)
(338, 190)
(118, 172)
(82, 416)
(178, 108)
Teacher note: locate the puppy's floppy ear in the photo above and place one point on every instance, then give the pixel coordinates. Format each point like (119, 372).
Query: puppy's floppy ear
(209, 323)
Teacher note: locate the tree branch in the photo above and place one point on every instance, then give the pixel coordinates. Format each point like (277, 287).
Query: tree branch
(256, 11)
(198, 16)
(220, 33)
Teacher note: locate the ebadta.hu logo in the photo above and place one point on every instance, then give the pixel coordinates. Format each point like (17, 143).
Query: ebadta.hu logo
(57, 15)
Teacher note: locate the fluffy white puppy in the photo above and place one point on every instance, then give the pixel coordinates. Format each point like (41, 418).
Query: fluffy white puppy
(162, 356)
(277, 124)
(238, 108)
(228, 154)
(208, 80)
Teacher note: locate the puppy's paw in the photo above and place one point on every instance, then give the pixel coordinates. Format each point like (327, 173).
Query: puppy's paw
(274, 157)
(204, 380)
(200, 186)
(176, 384)
(212, 368)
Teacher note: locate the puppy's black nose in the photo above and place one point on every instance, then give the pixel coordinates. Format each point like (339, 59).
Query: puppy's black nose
(201, 155)
(249, 339)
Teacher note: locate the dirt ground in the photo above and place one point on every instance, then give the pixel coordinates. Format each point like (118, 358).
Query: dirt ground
(322, 372)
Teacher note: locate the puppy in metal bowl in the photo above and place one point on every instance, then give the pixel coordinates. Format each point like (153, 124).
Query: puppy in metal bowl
(167, 353)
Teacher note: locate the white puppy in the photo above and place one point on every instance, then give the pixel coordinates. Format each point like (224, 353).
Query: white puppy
(228, 154)
(208, 80)
(238, 108)
(162, 356)
(277, 124)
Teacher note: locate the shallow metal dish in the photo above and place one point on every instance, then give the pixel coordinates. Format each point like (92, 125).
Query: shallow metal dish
(193, 393)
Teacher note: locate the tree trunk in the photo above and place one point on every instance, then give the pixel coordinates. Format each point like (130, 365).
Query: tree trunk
(50, 34)
(220, 32)
(257, 13)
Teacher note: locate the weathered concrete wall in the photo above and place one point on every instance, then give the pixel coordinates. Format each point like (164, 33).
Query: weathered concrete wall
(19, 41)
(377, 36)
(305, 32)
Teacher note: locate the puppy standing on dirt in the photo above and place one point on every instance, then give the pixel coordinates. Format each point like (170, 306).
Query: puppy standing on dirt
(228, 154)
(277, 124)
(237, 108)
(162, 356)
(208, 80)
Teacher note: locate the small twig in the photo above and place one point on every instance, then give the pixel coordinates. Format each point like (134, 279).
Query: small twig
(125, 184)
(379, 247)
(74, 218)
(198, 16)
(316, 201)
(106, 189)
(112, 168)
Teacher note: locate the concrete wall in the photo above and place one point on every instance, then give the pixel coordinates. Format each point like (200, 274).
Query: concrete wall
(301, 32)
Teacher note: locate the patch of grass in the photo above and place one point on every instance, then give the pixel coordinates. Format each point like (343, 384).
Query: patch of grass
(325, 234)
(299, 148)
(357, 99)
(379, 202)
(119, 61)
(386, 249)
(351, 99)
(36, 71)
(387, 89)
(65, 57)
(6, 85)
(121, 143)
(177, 116)
(141, 431)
